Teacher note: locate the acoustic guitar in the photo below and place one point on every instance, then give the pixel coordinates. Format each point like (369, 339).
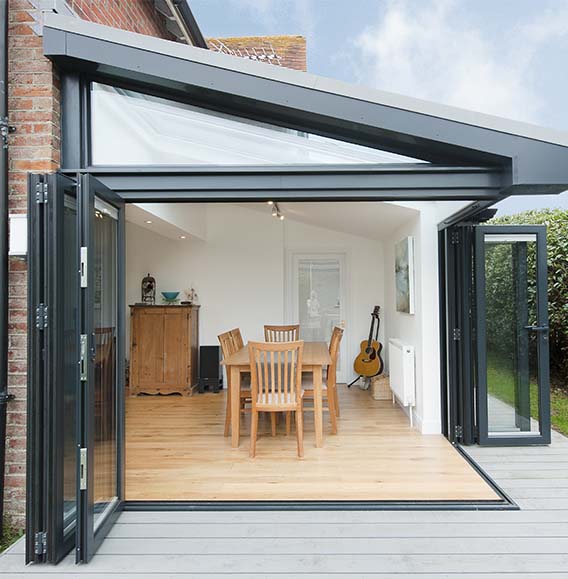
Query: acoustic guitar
(369, 362)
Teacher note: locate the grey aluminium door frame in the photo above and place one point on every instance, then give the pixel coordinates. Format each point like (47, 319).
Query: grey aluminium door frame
(50, 530)
(540, 329)
(91, 535)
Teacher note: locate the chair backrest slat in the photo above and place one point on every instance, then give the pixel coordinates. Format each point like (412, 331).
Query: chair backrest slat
(237, 338)
(227, 344)
(276, 372)
(290, 333)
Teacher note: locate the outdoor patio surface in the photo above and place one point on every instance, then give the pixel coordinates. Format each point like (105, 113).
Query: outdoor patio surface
(526, 544)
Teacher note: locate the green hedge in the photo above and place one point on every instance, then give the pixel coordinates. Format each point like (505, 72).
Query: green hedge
(556, 221)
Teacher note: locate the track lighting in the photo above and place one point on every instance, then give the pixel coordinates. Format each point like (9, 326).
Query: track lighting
(276, 210)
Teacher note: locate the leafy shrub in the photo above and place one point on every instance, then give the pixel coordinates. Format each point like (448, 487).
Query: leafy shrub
(556, 221)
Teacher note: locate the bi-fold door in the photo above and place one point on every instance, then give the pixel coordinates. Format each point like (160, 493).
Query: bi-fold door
(75, 435)
(496, 328)
(513, 383)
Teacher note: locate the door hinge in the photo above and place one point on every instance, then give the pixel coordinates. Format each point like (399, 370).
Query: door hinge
(40, 543)
(83, 272)
(458, 431)
(455, 237)
(41, 317)
(83, 469)
(5, 129)
(83, 360)
(42, 189)
(457, 334)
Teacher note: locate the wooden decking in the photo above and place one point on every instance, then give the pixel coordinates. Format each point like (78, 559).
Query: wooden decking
(175, 450)
(527, 544)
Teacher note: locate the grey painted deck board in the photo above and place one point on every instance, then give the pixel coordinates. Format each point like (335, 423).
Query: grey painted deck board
(324, 563)
(527, 544)
(562, 574)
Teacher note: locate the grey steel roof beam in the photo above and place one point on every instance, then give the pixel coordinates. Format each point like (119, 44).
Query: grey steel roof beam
(259, 195)
(422, 181)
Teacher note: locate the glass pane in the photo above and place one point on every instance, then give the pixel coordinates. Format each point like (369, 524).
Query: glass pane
(319, 298)
(70, 357)
(131, 128)
(105, 312)
(512, 350)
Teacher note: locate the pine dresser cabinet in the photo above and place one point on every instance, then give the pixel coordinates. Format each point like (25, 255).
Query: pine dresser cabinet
(164, 346)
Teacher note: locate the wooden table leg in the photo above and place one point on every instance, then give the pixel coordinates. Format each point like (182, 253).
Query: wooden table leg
(318, 405)
(235, 405)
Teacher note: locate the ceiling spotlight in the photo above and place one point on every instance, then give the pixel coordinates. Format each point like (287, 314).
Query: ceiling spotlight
(276, 210)
(183, 236)
(148, 221)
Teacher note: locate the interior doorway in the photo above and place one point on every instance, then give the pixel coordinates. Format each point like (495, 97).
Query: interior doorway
(317, 299)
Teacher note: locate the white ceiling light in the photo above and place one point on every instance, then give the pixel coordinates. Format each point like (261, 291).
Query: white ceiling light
(276, 210)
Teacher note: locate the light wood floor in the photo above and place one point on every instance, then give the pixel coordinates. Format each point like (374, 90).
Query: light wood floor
(175, 450)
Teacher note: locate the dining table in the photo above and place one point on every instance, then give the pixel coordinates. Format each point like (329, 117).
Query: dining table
(315, 358)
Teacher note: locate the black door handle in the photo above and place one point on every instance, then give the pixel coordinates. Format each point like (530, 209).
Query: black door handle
(537, 328)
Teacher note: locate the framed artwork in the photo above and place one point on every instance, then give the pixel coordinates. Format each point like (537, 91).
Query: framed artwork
(404, 275)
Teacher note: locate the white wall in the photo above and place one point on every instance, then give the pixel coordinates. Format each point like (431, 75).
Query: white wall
(239, 272)
(420, 330)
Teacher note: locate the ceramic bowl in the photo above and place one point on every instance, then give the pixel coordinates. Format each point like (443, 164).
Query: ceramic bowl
(170, 295)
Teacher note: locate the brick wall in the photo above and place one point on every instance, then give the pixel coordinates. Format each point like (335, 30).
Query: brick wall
(33, 89)
(134, 15)
(33, 101)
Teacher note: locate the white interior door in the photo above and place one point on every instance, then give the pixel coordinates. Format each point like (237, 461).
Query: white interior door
(318, 299)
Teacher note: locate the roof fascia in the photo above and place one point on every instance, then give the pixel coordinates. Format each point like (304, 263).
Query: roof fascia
(405, 126)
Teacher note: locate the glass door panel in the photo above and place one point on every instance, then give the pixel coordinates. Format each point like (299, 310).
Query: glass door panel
(513, 376)
(318, 299)
(70, 356)
(102, 438)
(106, 387)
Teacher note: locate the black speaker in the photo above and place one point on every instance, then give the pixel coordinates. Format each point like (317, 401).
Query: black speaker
(210, 373)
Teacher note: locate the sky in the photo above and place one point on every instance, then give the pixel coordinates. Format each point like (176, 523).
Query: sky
(503, 57)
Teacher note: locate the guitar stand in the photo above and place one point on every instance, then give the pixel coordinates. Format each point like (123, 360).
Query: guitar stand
(356, 380)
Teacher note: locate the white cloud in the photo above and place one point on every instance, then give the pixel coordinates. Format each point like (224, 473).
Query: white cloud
(272, 13)
(431, 50)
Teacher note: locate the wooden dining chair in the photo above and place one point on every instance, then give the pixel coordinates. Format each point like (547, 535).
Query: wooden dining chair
(229, 347)
(237, 338)
(329, 391)
(290, 333)
(276, 385)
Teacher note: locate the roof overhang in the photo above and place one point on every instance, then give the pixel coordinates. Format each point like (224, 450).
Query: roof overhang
(530, 158)
(180, 21)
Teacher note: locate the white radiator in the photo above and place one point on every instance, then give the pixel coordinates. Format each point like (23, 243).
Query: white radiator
(402, 374)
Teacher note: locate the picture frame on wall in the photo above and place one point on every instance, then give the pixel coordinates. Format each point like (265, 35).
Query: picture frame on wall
(404, 275)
